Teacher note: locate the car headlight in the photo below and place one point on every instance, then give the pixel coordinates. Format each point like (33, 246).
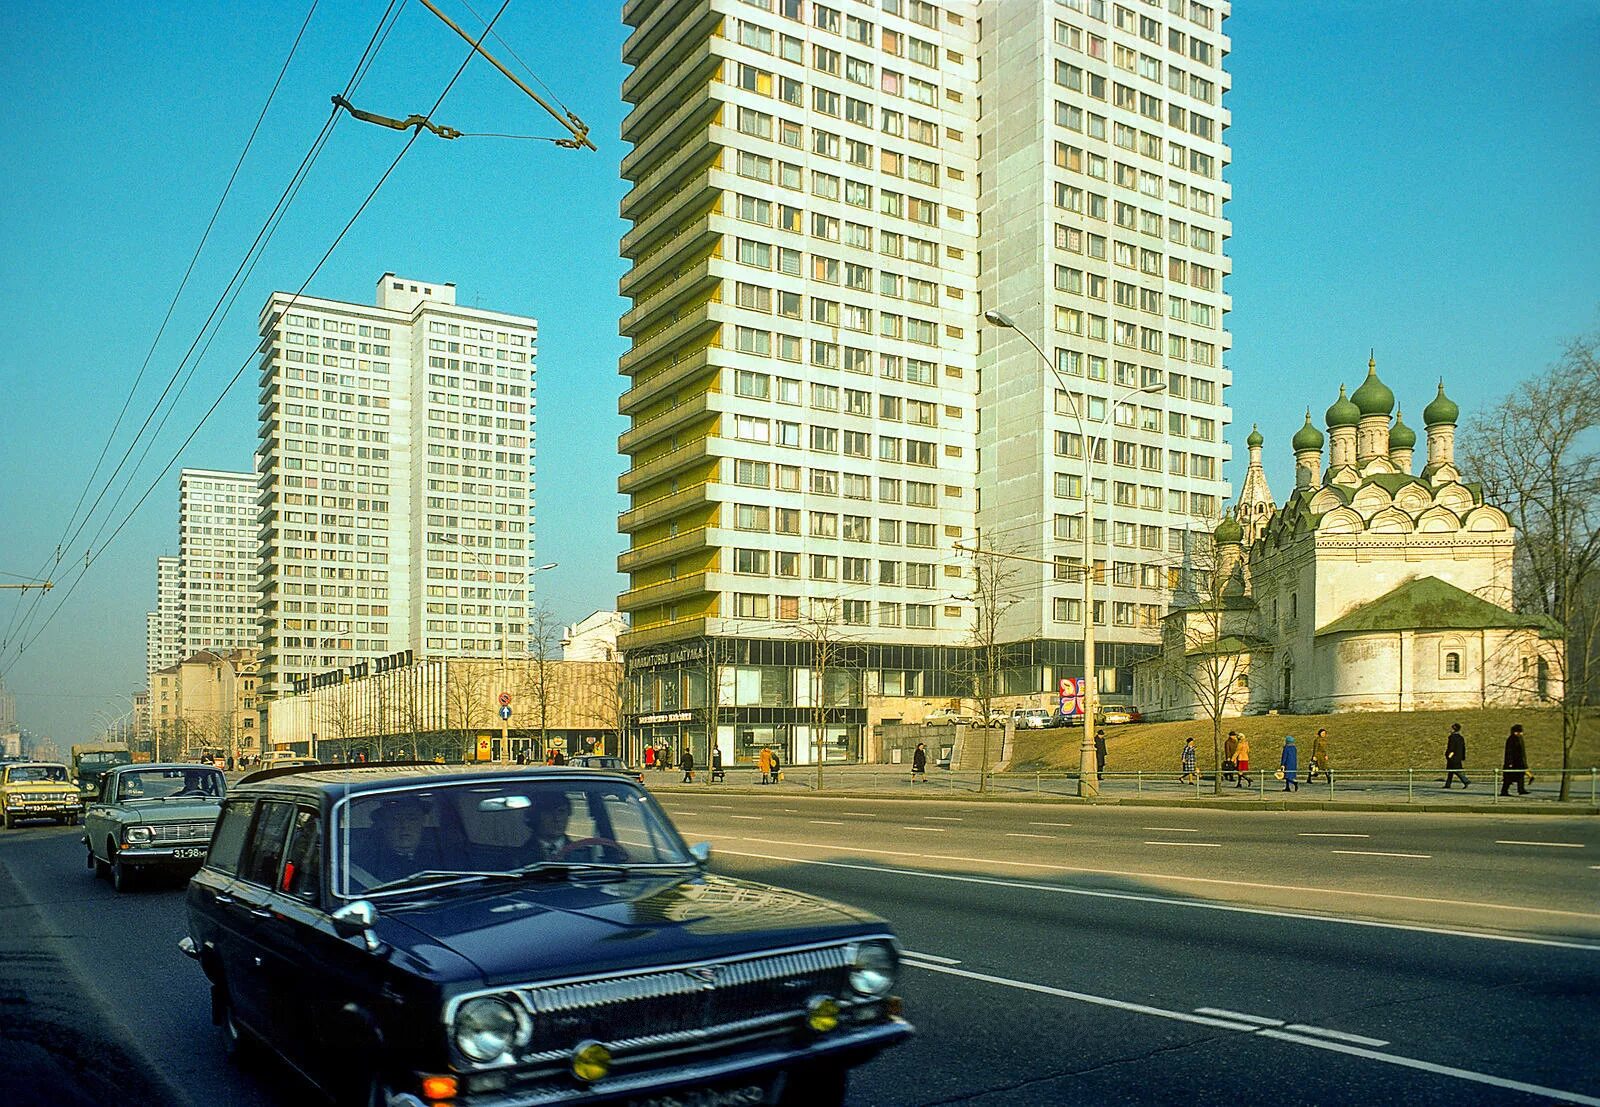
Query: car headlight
(487, 1028)
(138, 835)
(872, 969)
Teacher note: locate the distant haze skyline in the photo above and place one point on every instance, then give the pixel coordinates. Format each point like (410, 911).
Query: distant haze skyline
(1434, 204)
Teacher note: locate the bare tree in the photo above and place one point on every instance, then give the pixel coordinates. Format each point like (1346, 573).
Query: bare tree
(538, 675)
(466, 697)
(993, 576)
(1207, 638)
(833, 659)
(1536, 456)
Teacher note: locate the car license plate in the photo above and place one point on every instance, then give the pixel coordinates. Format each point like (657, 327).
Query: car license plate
(189, 853)
(740, 1095)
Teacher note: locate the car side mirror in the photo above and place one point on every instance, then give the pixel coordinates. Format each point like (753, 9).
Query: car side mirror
(357, 919)
(701, 852)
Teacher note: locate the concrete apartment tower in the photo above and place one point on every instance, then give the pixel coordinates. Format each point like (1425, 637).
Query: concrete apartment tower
(824, 200)
(395, 479)
(216, 561)
(163, 643)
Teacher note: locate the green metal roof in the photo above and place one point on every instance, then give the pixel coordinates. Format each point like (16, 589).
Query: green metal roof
(1428, 603)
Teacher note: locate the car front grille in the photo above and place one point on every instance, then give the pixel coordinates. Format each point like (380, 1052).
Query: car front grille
(677, 1005)
(48, 797)
(181, 832)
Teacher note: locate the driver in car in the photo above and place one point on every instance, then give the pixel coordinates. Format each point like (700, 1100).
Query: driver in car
(547, 818)
(400, 843)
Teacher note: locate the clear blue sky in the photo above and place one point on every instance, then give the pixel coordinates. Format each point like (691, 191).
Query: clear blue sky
(1419, 178)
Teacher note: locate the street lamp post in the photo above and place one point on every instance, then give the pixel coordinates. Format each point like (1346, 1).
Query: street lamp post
(1088, 766)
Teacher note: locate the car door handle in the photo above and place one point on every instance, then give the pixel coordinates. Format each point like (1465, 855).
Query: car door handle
(261, 912)
(225, 898)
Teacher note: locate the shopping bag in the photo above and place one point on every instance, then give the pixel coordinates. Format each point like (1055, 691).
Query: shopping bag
(1278, 774)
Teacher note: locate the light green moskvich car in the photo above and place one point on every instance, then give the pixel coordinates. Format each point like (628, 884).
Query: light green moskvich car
(151, 816)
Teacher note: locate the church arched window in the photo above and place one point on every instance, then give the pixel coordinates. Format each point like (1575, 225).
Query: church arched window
(1452, 658)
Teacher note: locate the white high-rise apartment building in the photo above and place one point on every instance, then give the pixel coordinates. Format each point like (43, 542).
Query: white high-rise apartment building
(216, 561)
(396, 479)
(162, 641)
(825, 199)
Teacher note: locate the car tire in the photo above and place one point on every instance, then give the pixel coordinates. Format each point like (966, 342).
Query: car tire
(823, 1087)
(122, 876)
(70, 820)
(237, 1043)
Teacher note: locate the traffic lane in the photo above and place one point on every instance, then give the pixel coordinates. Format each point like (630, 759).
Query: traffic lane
(1504, 1014)
(1550, 891)
(118, 945)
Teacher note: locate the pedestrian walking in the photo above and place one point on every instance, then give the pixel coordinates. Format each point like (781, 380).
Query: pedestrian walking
(688, 766)
(919, 764)
(716, 765)
(1516, 764)
(1455, 757)
(1100, 753)
(1319, 758)
(1290, 763)
(777, 768)
(649, 757)
(1241, 756)
(764, 763)
(1230, 755)
(1188, 758)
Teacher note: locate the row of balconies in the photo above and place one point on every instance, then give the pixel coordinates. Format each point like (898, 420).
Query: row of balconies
(693, 107)
(666, 591)
(663, 508)
(695, 322)
(659, 468)
(667, 100)
(664, 252)
(663, 423)
(674, 631)
(674, 372)
(671, 295)
(663, 549)
(657, 47)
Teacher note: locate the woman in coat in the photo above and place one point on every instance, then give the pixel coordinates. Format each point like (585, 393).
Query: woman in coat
(1241, 757)
(1290, 761)
(1516, 764)
(1319, 758)
(764, 763)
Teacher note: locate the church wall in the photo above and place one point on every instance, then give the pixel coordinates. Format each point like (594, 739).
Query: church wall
(1353, 571)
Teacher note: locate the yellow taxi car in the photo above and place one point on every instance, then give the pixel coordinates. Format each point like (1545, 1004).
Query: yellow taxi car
(38, 790)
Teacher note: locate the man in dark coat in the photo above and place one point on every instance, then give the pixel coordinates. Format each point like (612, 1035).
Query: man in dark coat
(919, 763)
(1455, 756)
(1516, 764)
(1099, 753)
(688, 765)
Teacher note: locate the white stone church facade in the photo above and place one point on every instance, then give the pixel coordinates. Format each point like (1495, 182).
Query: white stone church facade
(1371, 589)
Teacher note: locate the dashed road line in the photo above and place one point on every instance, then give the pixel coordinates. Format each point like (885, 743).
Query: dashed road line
(933, 957)
(1337, 1035)
(1328, 834)
(1556, 845)
(826, 822)
(943, 819)
(1172, 829)
(1380, 853)
(1049, 824)
(929, 829)
(861, 814)
(1238, 1016)
(1204, 845)
(720, 806)
(751, 818)
(1021, 834)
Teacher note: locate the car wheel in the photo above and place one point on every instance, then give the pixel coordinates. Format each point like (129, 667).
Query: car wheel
(237, 1043)
(824, 1087)
(121, 875)
(70, 820)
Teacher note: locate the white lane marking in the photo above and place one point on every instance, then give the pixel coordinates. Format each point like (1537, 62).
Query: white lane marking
(861, 814)
(1328, 834)
(1380, 853)
(934, 957)
(1336, 1035)
(1557, 845)
(943, 819)
(683, 811)
(929, 829)
(1429, 1066)
(1083, 997)
(1206, 845)
(720, 806)
(751, 818)
(1237, 1016)
(790, 810)
(1168, 901)
(1265, 1032)
(1049, 824)
(1021, 834)
(825, 822)
(1172, 829)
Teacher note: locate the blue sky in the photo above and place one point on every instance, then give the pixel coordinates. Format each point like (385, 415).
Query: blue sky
(1416, 178)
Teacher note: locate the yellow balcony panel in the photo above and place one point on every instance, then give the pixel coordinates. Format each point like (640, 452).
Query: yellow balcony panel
(689, 285)
(674, 183)
(661, 245)
(649, 119)
(663, 550)
(693, 325)
(675, 631)
(664, 423)
(659, 44)
(667, 591)
(686, 125)
(674, 461)
(674, 373)
(663, 508)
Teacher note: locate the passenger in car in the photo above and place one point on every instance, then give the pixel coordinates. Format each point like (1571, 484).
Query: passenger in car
(399, 842)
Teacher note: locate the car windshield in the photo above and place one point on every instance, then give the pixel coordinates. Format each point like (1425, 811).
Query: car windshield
(37, 774)
(184, 783)
(470, 830)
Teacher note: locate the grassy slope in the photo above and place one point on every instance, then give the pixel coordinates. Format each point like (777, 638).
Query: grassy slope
(1376, 740)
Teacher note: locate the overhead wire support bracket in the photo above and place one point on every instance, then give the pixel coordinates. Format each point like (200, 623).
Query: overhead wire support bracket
(569, 120)
(406, 124)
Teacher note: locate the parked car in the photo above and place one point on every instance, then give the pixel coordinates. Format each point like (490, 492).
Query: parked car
(151, 817)
(38, 790)
(418, 934)
(605, 763)
(1033, 718)
(947, 716)
(1116, 715)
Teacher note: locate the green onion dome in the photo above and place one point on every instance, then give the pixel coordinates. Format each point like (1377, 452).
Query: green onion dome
(1373, 397)
(1307, 437)
(1440, 410)
(1401, 437)
(1255, 438)
(1229, 532)
(1343, 413)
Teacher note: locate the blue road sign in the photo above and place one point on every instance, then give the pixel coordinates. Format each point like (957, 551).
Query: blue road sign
(505, 712)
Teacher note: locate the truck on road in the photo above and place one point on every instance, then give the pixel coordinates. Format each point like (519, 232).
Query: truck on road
(91, 760)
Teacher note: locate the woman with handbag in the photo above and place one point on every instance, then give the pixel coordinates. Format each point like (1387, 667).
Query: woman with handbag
(1289, 764)
(1241, 761)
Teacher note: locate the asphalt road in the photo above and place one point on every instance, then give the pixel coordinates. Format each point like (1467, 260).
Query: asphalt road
(1055, 956)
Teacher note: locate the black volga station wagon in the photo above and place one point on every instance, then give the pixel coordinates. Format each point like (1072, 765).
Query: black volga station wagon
(420, 935)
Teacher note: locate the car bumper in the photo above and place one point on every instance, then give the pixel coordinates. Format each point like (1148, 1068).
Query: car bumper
(193, 853)
(754, 1067)
(69, 805)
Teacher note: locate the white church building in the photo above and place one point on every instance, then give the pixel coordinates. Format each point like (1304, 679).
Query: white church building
(1373, 588)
